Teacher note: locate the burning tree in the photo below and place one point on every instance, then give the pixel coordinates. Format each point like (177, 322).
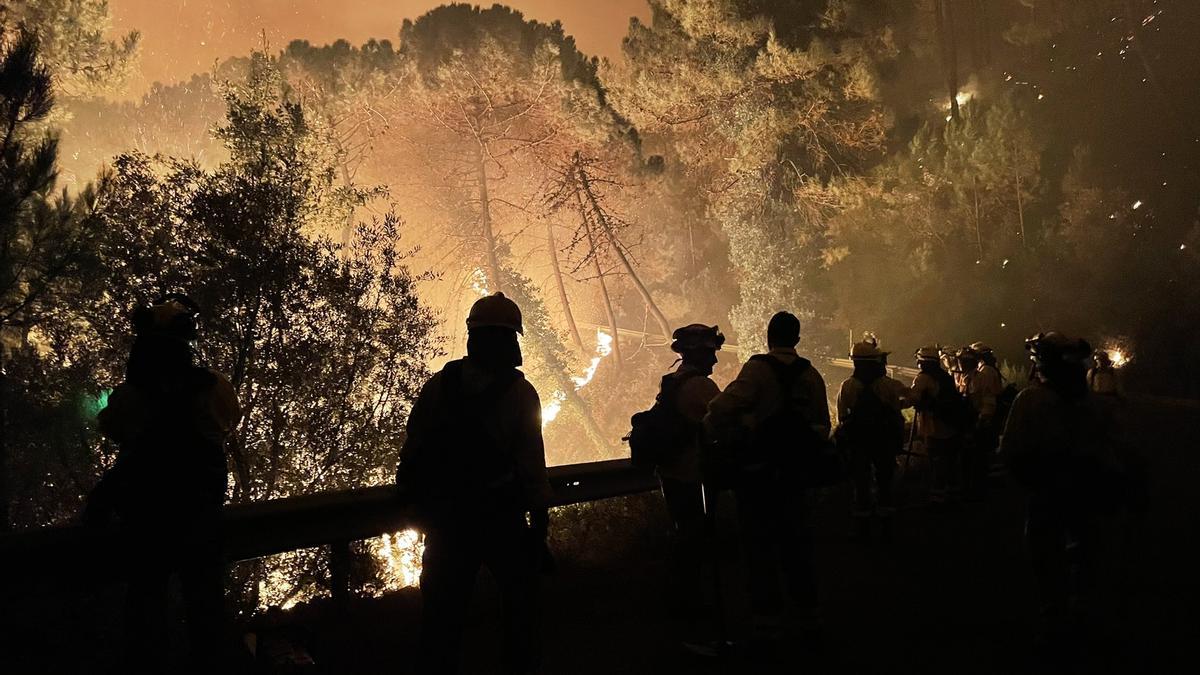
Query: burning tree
(771, 101)
(493, 96)
(579, 187)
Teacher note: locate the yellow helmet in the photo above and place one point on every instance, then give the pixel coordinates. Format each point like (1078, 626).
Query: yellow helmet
(495, 310)
(980, 348)
(866, 350)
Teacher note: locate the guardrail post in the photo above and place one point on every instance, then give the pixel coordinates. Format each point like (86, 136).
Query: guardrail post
(339, 571)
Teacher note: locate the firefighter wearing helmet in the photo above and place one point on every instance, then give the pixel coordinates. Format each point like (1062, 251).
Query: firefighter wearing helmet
(940, 422)
(870, 432)
(1102, 378)
(1064, 446)
(777, 403)
(170, 418)
(473, 469)
(668, 439)
(689, 389)
(983, 387)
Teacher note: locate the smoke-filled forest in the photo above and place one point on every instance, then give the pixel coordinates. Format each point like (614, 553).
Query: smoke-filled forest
(929, 170)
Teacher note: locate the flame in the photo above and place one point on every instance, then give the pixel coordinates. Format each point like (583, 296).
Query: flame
(554, 405)
(1118, 357)
(399, 556)
(603, 349)
(963, 97)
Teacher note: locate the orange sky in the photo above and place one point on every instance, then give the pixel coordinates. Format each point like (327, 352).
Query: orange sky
(181, 37)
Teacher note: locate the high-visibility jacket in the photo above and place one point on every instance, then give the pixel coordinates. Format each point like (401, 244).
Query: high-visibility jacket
(983, 388)
(923, 393)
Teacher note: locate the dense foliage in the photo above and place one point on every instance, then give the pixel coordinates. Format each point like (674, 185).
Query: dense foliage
(325, 343)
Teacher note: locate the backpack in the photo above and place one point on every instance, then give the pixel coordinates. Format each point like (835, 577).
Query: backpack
(1004, 403)
(661, 433)
(785, 441)
(952, 407)
(871, 424)
(460, 464)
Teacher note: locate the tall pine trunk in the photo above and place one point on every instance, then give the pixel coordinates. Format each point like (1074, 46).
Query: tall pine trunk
(978, 233)
(562, 289)
(485, 221)
(1020, 202)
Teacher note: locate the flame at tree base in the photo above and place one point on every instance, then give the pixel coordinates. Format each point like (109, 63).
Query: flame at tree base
(399, 556)
(555, 402)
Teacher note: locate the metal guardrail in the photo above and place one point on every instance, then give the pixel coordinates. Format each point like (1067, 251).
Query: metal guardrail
(896, 372)
(265, 528)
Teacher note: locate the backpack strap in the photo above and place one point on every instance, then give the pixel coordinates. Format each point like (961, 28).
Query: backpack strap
(458, 408)
(786, 374)
(454, 401)
(671, 385)
(454, 392)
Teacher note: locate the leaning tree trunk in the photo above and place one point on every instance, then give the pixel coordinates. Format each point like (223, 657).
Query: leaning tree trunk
(1020, 202)
(608, 307)
(611, 236)
(562, 289)
(485, 219)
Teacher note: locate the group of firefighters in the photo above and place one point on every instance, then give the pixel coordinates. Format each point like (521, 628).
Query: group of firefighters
(473, 468)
